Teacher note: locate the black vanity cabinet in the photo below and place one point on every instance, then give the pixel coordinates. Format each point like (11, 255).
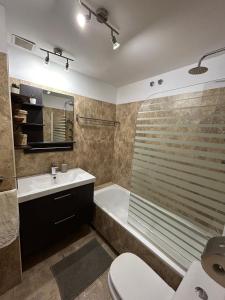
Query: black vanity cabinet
(48, 219)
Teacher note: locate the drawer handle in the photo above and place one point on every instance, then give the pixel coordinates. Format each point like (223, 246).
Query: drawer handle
(61, 197)
(64, 220)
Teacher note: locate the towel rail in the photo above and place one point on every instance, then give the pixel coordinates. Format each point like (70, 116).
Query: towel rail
(96, 121)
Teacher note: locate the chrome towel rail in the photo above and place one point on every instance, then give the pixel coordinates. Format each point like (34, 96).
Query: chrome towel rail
(95, 122)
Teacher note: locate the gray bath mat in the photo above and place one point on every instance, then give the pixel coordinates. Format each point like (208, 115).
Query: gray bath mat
(80, 269)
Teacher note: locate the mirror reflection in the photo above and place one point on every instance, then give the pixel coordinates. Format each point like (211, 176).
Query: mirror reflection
(58, 117)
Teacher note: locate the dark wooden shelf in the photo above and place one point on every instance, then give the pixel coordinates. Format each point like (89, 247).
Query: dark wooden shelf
(24, 101)
(31, 125)
(22, 147)
(19, 98)
(31, 105)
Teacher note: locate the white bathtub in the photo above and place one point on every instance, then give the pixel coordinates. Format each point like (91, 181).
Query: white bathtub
(114, 200)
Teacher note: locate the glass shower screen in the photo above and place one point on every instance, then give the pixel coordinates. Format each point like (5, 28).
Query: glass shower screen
(178, 176)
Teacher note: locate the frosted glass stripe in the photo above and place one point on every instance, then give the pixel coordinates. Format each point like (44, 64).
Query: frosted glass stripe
(171, 251)
(180, 108)
(178, 98)
(195, 153)
(183, 125)
(197, 165)
(180, 133)
(181, 142)
(176, 170)
(204, 205)
(165, 197)
(170, 225)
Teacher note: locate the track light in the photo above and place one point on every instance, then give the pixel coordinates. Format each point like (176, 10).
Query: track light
(47, 58)
(57, 52)
(116, 44)
(101, 15)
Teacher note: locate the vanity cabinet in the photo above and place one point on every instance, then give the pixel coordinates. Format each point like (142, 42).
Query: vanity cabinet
(48, 219)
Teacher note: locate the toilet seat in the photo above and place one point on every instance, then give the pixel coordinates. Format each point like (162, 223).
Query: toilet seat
(132, 279)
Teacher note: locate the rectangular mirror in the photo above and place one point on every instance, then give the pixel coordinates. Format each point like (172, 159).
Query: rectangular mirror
(43, 120)
(58, 117)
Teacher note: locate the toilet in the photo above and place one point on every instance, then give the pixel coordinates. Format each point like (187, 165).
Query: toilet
(130, 278)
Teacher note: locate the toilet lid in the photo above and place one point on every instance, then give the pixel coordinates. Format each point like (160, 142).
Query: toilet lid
(133, 279)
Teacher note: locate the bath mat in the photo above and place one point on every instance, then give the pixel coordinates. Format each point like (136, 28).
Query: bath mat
(77, 271)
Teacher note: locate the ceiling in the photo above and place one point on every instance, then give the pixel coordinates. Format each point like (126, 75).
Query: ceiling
(156, 36)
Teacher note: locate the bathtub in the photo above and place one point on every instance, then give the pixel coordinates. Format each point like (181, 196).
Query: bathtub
(110, 221)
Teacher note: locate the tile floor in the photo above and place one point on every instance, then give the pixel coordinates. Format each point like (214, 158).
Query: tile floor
(39, 284)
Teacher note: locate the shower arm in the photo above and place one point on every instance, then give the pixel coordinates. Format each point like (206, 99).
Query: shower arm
(209, 54)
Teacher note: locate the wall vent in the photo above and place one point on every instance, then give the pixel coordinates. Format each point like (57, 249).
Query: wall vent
(22, 42)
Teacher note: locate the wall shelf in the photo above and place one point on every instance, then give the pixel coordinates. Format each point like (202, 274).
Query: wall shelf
(31, 125)
(31, 105)
(18, 98)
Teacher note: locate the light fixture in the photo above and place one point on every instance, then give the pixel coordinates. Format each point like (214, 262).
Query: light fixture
(47, 58)
(116, 44)
(67, 65)
(82, 20)
(101, 15)
(57, 52)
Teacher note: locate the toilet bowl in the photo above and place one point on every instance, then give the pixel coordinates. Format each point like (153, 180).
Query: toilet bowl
(130, 278)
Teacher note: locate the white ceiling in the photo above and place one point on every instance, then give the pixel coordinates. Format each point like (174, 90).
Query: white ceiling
(156, 35)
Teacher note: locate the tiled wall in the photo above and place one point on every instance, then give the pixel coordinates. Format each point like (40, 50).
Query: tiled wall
(10, 273)
(126, 114)
(94, 146)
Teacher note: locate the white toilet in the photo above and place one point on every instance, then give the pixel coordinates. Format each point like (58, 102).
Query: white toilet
(130, 278)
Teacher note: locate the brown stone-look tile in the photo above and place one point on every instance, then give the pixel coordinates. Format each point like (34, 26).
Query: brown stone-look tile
(122, 241)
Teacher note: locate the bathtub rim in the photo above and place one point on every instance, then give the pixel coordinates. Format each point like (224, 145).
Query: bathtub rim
(172, 264)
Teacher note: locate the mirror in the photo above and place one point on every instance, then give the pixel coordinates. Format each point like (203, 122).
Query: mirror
(58, 117)
(42, 120)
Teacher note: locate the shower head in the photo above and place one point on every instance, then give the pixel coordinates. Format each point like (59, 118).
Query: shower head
(201, 70)
(198, 70)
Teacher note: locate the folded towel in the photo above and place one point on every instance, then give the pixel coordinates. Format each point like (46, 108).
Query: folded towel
(9, 217)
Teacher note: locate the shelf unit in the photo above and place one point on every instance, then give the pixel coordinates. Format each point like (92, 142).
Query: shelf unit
(34, 125)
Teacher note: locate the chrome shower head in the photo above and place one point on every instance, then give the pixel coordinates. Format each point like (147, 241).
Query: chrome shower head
(201, 70)
(198, 70)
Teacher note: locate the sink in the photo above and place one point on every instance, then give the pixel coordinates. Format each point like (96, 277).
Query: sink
(37, 186)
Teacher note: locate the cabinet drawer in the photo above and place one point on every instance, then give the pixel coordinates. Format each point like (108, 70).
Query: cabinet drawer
(64, 204)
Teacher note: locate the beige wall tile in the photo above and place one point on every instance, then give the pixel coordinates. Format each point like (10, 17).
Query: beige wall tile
(126, 114)
(10, 265)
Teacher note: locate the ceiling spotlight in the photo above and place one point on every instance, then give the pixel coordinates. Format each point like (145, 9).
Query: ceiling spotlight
(116, 44)
(67, 65)
(81, 20)
(47, 58)
(101, 15)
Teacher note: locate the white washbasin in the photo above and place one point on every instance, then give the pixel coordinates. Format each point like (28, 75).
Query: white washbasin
(33, 187)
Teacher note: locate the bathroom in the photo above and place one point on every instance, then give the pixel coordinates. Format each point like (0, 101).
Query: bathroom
(112, 173)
